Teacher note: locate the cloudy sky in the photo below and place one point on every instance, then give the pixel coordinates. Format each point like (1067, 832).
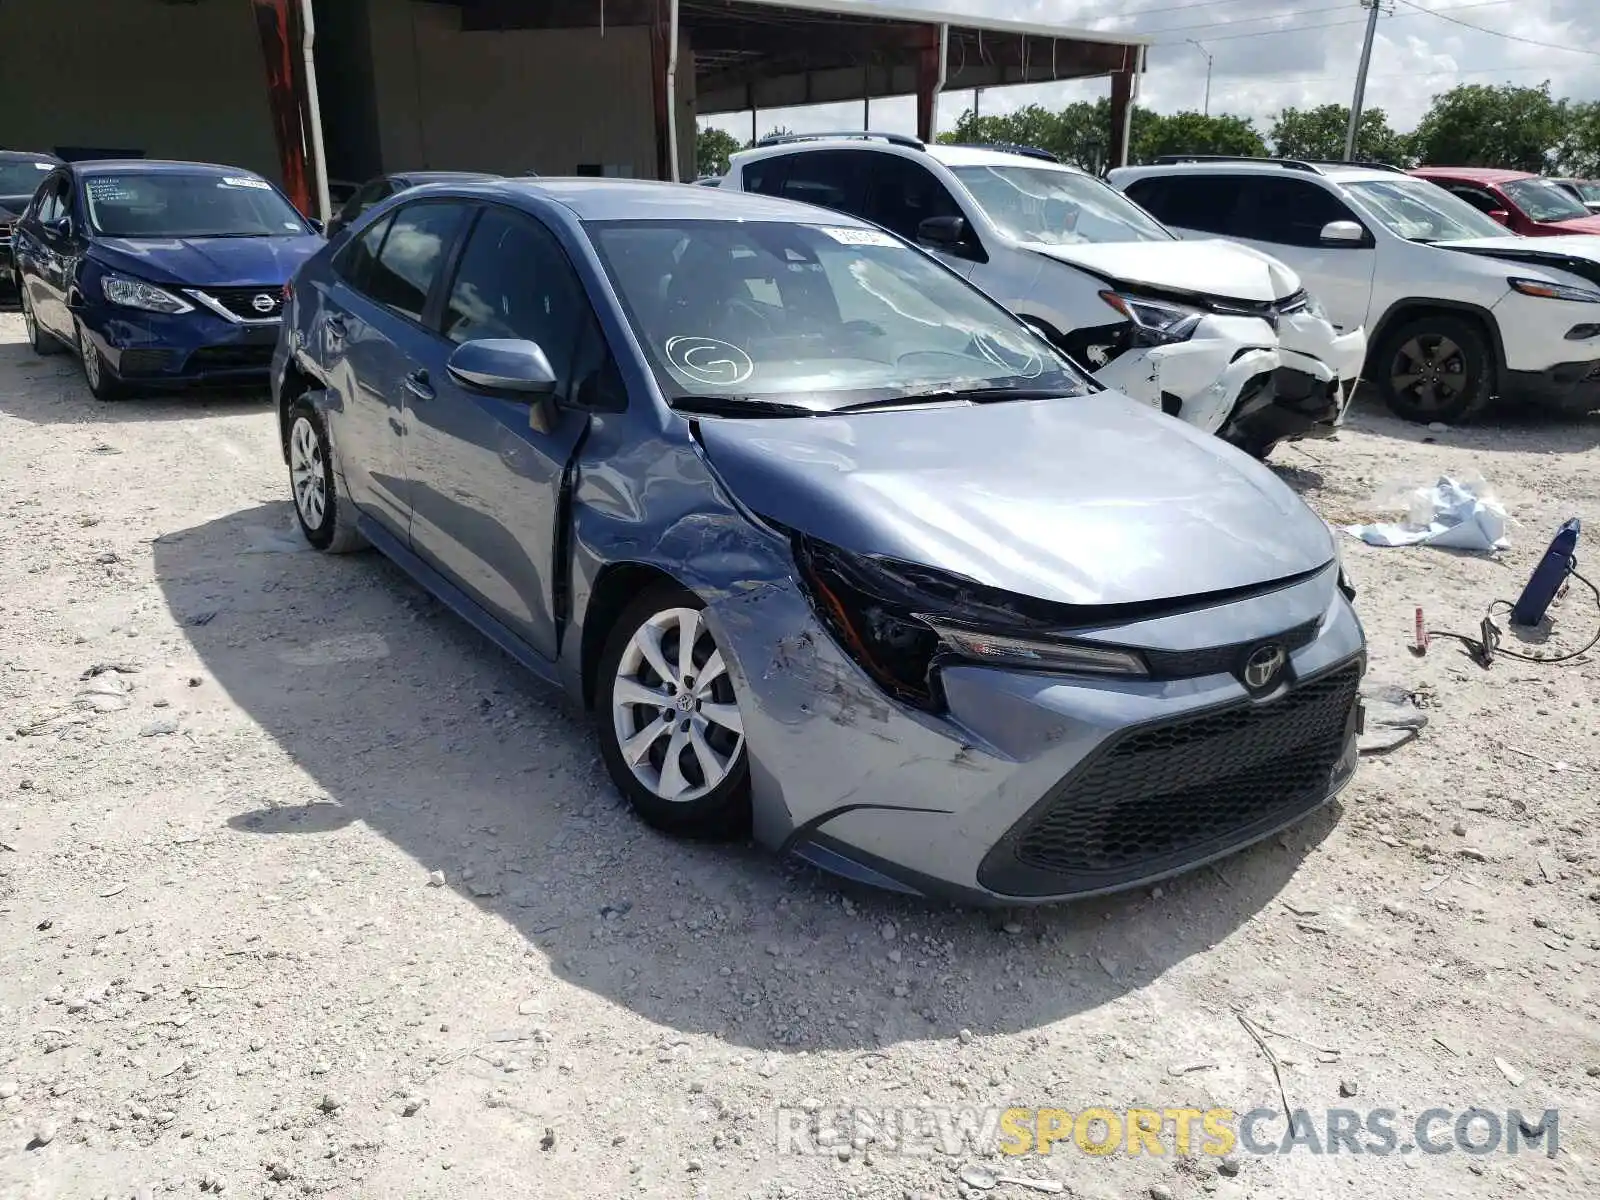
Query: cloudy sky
(1269, 54)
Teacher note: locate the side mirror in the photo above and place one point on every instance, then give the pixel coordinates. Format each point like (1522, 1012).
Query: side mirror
(1500, 215)
(60, 227)
(945, 232)
(318, 225)
(1342, 233)
(504, 365)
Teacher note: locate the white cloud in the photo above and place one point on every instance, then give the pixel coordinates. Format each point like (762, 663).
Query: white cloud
(1313, 61)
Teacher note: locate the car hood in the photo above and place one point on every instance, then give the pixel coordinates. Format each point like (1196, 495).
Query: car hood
(1581, 225)
(1205, 267)
(1093, 500)
(1577, 253)
(208, 262)
(12, 206)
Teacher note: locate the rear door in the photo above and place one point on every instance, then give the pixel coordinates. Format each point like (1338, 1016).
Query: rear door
(487, 470)
(371, 342)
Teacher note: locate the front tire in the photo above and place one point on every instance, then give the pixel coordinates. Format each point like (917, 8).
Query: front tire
(1436, 368)
(327, 519)
(40, 342)
(671, 733)
(103, 385)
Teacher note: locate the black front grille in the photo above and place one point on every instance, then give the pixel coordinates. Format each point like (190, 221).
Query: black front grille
(241, 301)
(1161, 797)
(1268, 310)
(230, 358)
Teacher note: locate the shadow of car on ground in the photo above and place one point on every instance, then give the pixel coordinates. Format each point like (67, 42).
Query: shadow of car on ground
(414, 725)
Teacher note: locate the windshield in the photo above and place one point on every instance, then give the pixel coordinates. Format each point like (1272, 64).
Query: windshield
(1058, 208)
(172, 205)
(813, 317)
(1420, 211)
(1589, 191)
(1543, 200)
(22, 178)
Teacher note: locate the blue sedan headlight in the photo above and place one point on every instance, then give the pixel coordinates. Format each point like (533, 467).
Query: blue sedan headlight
(135, 293)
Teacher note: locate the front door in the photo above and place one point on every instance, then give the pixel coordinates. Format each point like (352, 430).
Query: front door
(46, 255)
(487, 470)
(1284, 217)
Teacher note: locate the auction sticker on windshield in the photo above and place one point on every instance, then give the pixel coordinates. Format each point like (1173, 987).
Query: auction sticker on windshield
(260, 184)
(847, 236)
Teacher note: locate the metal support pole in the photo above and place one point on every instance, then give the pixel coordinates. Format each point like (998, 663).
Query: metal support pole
(1207, 109)
(1361, 81)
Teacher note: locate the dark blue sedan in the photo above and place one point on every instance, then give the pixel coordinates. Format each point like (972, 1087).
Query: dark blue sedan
(158, 273)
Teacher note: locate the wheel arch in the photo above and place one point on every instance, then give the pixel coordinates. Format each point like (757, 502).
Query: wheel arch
(1414, 307)
(296, 383)
(617, 585)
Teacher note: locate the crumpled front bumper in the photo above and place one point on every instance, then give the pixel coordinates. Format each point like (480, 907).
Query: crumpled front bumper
(1199, 380)
(1319, 362)
(949, 804)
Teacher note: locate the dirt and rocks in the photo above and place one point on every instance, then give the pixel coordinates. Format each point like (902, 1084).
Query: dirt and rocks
(306, 890)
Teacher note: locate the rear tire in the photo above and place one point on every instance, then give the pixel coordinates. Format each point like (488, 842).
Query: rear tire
(40, 342)
(1435, 368)
(671, 733)
(103, 385)
(327, 519)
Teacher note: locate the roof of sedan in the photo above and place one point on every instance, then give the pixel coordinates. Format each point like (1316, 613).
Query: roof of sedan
(633, 199)
(28, 156)
(161, 166)
(1475, 174)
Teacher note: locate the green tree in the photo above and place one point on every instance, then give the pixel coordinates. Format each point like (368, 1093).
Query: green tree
(1033, 125)
(1478, 125)
(1192, 133)
(1579, 151)
(1317, 134)
(711, 150)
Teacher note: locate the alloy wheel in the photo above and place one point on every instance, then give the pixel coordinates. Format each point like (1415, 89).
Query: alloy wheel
(90, 357)
(306, 474)
(673, 708)
(1431, 369)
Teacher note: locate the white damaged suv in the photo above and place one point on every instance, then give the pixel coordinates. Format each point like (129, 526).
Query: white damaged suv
(1459, 310)
(1220, 336)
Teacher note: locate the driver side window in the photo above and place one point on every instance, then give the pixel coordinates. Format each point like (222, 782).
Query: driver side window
(904, 195)
(52, 197)
(1479, 199)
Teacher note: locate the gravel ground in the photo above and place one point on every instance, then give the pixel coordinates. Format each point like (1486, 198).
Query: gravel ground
(309, 891)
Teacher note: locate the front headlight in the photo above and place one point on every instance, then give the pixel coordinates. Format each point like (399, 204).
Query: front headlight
(1156, 322)
(1553, 291)
(135, 293)
(899, 621)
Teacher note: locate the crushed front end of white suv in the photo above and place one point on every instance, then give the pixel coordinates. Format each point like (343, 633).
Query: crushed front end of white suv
(1221, 337)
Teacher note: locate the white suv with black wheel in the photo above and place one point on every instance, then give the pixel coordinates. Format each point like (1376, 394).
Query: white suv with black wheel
(1458, 311)
(1218, 336)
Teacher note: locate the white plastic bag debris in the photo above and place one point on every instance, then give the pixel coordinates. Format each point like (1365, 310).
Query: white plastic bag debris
(1453, 514)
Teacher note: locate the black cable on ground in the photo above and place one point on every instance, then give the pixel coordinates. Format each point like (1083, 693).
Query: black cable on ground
(1484, 648)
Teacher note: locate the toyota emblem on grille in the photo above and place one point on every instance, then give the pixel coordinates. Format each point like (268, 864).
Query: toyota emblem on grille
(1261, 669)
(263, 302)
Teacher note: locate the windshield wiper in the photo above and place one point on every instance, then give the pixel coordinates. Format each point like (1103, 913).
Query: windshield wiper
(740, 406)
(978, 395)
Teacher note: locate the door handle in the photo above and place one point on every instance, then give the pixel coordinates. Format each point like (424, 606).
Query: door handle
(417, 384)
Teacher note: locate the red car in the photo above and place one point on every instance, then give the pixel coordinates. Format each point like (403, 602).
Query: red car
(1520, 200)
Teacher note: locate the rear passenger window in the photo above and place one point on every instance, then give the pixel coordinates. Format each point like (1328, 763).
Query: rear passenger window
(830, 178)
(764, 176)
(412, 255)
(354, 262)
(904, 195)
(1289, 212)
(515, 282)
(1482, 201)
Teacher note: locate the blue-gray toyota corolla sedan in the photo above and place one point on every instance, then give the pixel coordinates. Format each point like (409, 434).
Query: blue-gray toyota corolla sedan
(836, 549)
